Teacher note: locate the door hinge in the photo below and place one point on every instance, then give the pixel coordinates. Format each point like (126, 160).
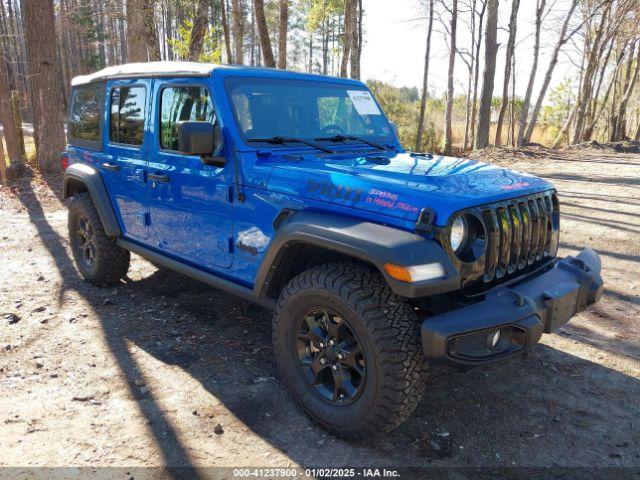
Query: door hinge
(231, 245)
(230, 195)
(143, 218)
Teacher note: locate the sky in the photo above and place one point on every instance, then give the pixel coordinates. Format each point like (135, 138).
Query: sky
(395, 38)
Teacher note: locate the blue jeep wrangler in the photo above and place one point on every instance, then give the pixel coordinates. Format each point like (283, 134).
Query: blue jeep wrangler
(292, 191)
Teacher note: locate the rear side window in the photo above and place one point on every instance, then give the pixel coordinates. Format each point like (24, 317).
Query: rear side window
(85, 116)
(126, 120)
(180, 104)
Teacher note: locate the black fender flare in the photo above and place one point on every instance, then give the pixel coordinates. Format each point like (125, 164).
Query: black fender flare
(79, 173)
(370, 242)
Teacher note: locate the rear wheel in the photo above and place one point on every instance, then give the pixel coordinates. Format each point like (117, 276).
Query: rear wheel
(98, 258)
(349, 349)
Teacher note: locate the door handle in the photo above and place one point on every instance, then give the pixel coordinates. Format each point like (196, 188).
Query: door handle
(111, 166)
(160, 178)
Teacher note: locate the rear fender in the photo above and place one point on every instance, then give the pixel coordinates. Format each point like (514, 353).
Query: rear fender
(80, 177)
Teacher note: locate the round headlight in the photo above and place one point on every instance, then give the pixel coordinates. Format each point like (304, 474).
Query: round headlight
(458, 233)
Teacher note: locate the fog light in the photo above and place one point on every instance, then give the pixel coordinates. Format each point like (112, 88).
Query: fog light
(487, 344)
(494, 338)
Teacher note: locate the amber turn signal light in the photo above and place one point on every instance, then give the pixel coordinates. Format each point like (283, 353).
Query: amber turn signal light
(416, 273)
(398, 272)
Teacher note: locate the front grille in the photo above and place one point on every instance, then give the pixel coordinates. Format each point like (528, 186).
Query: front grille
(519, 233)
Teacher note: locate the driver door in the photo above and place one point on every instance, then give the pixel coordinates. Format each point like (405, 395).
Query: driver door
(189, 205)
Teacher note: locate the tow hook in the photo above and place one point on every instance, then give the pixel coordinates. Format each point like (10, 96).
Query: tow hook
(581, 264)
(519, 301)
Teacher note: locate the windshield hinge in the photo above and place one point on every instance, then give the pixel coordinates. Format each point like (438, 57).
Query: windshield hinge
(426, 221)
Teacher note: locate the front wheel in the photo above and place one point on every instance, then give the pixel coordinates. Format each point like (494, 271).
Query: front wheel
(349, 349)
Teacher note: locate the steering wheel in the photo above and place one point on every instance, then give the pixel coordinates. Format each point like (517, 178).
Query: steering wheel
(327, 129)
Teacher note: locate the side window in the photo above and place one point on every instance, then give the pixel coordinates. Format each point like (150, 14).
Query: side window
(84, 115)
(126, 120)
(179, 104)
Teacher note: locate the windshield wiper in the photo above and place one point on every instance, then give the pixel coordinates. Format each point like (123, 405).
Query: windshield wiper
(283, 140)
(342, 138)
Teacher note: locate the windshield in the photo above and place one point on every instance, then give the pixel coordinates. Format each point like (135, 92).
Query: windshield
(266, 108)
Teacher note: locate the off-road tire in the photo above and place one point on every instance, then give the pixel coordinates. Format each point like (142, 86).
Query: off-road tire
(388, 330)
(111, 262)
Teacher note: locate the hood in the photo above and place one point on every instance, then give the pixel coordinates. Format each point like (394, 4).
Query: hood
(400, 185)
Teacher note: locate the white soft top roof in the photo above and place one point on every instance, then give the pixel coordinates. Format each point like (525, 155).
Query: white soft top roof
(148, 69)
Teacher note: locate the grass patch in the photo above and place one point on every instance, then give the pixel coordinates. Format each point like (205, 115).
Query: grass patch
(30, 150)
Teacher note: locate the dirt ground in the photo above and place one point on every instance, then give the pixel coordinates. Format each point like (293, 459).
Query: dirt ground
(162, 371)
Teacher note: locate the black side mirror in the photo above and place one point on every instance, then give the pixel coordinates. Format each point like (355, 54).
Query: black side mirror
(199, 138)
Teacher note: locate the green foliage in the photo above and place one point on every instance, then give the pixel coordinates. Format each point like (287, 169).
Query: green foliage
(401, 106)
(90, 32)
(320, 11)
(557, 109)
(211, 48)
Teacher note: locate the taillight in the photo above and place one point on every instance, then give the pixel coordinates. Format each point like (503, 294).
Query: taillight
(64, 161)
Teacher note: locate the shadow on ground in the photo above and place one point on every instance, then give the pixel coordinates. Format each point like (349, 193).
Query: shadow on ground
(545, 408)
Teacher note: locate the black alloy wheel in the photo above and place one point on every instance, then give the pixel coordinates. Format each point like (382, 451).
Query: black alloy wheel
(86, 241)
(331, 356)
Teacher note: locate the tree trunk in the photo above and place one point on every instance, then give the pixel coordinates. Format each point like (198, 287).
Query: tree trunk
(524, 113)
(263, 33)
(198, 31)
(513, 24)
(346, 47)
(11, 132)
(3, 164)
(44, 81)
(474, 106)
(552, 65)
(620, 132)
(355, 41)
(225, 30)
(450, 72)
(282, 34)
(136, 48)
(6, 33)
(470, 66)
(585, 91)
(142, 41)
(512, 104)
(310, 52)
(491, 51)
(252, 40)
(17, 121)
(588, 129)
(149, 30)
(593, 105)
(360, 39)
(238, 31)
(100, 32)
(564, 129)
(425, 80)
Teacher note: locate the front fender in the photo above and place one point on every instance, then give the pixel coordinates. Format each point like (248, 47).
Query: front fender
(79, 177)
(373, 243)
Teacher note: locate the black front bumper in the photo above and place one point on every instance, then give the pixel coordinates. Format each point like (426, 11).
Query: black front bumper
(521, 312)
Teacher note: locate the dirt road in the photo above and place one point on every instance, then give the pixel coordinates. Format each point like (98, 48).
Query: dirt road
(161, 370)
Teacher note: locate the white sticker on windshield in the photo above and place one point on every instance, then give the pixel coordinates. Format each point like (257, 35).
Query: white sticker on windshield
(364, 102)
